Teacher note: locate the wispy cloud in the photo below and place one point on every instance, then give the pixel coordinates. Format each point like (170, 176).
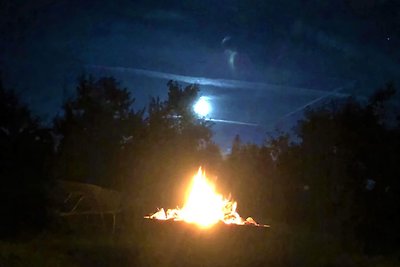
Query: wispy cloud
(221, 83)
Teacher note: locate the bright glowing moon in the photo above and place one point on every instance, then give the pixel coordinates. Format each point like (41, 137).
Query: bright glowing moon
(202, 107)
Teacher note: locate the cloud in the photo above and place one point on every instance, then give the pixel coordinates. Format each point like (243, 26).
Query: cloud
(219, 83)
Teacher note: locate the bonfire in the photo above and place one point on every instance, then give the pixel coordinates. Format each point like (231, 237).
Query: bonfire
(204, 207)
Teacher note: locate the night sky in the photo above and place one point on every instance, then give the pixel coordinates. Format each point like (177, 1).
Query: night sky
(258, 62)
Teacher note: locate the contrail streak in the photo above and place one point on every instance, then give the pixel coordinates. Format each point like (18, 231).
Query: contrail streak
(225, 121)
(224, 83)
(233, 84)
(331, 93)
(233, 122)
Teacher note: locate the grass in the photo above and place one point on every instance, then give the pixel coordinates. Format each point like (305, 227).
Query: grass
(174, 244)
(66, 251)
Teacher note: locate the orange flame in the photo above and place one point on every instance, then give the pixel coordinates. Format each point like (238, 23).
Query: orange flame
(204, 207)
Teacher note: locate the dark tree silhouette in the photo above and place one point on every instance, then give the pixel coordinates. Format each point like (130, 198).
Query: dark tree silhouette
(95, 127)
(347, 157)
(339, 178)
(173, 146)
(26, 150)
(103, 141)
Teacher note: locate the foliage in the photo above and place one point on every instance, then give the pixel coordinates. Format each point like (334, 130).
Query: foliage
(105, 142)
(340, 177)
(334, 190)
(26, 150)
(93, 129)
(175, 142)
(347, 158)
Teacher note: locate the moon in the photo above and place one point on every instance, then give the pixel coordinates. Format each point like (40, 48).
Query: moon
(202, 107)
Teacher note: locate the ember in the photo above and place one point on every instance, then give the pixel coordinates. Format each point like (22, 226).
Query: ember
(204, 207)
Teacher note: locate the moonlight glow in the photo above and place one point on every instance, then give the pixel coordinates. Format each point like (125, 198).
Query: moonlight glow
(202, 107)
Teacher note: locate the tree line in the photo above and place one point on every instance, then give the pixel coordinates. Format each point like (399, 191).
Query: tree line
(338, 174)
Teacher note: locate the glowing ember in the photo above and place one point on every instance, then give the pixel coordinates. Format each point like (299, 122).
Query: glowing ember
(204, 207)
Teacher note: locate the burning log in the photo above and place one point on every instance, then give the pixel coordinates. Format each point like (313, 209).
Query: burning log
(204, 207)
(206, 231)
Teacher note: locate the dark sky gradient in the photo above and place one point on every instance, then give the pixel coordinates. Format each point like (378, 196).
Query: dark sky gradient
(297, 45)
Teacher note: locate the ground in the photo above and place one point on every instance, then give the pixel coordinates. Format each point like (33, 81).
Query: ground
(177, 244)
